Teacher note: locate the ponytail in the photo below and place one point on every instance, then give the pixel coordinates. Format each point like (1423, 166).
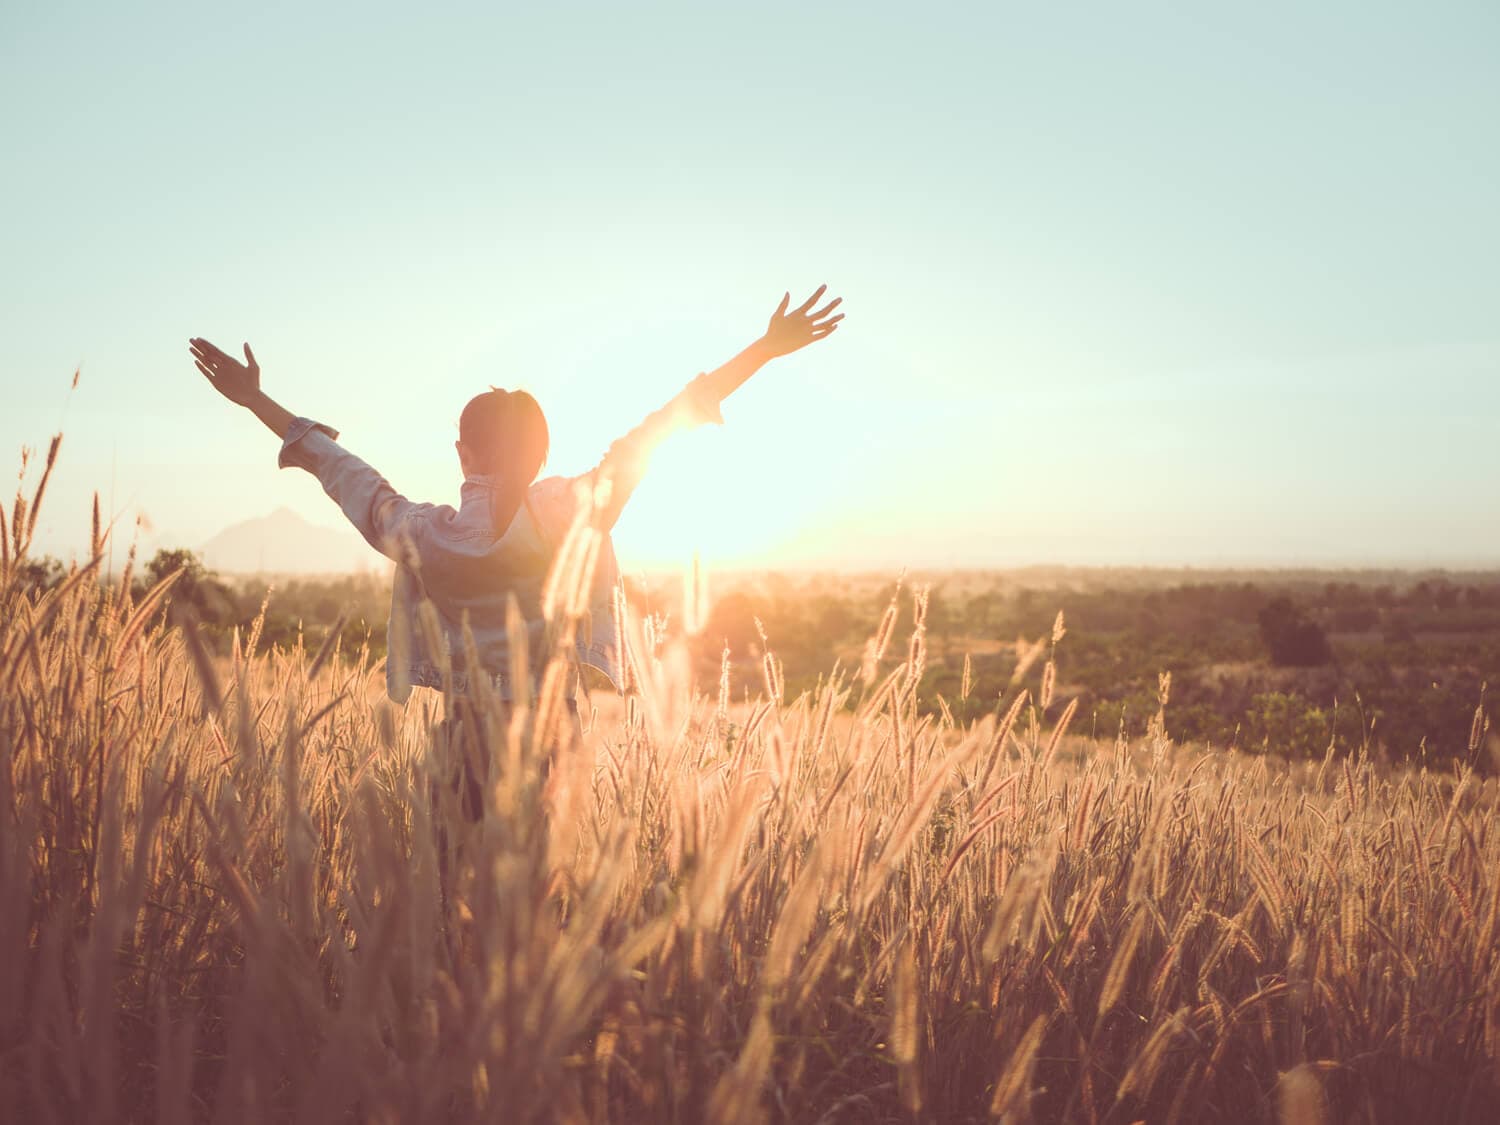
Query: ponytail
(506, 433)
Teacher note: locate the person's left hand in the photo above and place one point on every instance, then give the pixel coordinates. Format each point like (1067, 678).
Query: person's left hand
(789, 331)
(236, 381)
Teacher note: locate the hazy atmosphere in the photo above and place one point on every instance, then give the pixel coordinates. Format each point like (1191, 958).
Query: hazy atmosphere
(834, 564)
(1126, 285)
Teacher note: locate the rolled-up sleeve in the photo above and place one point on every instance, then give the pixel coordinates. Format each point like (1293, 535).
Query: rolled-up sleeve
(293, 456)
(368, 501)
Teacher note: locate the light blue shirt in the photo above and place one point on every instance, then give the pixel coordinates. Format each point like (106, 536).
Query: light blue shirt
(455, 561)
(458, 563)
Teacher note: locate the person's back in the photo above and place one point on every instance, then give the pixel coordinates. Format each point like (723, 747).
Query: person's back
(469, 570)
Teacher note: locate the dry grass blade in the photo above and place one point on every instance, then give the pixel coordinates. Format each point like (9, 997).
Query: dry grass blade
(1027, 654)
(794, 923)
(916, 817)
(1063, 722)
(905, 1032)
(41, 488)
(968, 841)
(1013, 1088)
(325, 650)
(737, 1097)
(279, 902)
(1119, 964)
(1002, 732)
(1146, 1067)
(203, 664)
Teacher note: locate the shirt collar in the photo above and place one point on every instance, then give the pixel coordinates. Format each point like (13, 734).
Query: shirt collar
(477, 489)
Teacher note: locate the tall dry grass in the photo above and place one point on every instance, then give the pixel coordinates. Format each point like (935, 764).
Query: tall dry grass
(220, 898)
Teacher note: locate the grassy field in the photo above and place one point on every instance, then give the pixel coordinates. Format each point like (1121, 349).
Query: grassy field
(222, 896)
(1283, 663)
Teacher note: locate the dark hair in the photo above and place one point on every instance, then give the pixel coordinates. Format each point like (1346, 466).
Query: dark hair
(505, 433)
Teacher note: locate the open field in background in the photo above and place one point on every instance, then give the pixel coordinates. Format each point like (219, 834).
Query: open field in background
(220, 896)
(1285, 663)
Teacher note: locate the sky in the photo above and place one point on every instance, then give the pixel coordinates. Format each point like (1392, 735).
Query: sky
(1208, 284)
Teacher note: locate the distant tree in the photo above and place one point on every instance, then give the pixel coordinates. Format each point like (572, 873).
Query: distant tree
(198, 586)
(1294, 639)
(1398, 631)
(1355, 618)
(1286, 723)
(981, 611)
(40, 574)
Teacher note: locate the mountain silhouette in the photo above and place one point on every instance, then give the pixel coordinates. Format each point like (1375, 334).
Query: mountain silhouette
(285, 543)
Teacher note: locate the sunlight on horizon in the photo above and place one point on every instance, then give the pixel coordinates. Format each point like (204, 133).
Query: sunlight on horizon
(703, 497)
(1211, 289)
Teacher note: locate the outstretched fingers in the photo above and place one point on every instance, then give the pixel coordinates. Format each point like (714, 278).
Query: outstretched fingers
(825, 310)
(205, 352)
(791, 330)
(811, 301)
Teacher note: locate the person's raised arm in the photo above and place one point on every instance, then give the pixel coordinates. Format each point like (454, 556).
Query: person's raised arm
(240, 384)
(371, 504)
(788, 331)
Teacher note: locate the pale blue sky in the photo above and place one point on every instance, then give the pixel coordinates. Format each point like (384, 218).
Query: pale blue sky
(1126, 283)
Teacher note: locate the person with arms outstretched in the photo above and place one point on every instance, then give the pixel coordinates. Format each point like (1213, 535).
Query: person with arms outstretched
(501, 540)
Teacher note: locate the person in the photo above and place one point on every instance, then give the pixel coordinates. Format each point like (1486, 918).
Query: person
(458, 569)
(466, 563)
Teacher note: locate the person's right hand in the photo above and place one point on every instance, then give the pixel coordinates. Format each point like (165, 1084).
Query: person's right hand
(236, 381)
(789, 331)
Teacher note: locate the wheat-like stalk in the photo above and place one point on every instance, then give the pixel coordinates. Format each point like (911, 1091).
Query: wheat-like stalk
(233, 888)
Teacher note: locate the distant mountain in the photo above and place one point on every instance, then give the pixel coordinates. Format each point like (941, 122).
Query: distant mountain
(285, 543)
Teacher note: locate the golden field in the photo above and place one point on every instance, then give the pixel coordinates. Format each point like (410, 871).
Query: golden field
(220, 899)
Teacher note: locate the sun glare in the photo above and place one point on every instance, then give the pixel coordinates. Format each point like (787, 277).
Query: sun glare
(702, 498)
